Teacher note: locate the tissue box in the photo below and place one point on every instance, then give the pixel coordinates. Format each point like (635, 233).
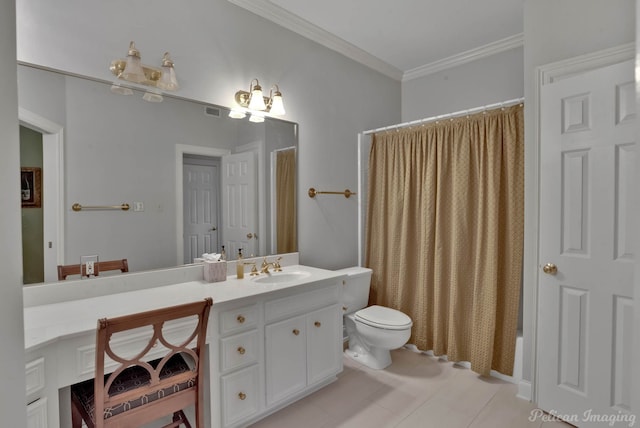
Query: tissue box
(215, 271)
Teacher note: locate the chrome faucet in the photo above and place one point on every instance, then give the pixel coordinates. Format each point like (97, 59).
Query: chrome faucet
(264, 268)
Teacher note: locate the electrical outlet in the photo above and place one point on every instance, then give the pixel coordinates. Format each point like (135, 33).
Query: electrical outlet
(138, 206)
(89, 266)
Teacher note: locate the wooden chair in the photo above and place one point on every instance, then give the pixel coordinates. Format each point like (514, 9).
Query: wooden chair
(65, 270)
(138, 392)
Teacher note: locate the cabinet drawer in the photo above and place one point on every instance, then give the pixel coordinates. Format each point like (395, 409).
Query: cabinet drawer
(234, 320)
(240, 395)
(34, 375)
(239, 350)
(303, 302)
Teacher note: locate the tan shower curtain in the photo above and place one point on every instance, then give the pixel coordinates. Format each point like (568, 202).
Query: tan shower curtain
(445, 233)
(286, 224)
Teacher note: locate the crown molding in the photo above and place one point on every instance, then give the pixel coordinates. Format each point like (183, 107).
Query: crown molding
(290, 21)
(487, 50)
(293, 22)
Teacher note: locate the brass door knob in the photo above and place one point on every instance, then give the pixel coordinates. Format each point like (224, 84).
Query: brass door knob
(317, 324)
(242, 395)
(240, 319)
(241, 350)
(296, 331)
(550, 269)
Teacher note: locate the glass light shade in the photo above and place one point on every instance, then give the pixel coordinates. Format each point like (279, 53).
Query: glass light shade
(168, 80)
(256, 118)
(133, 71)
(117, 89)
(237, 114)
(277, 106)
(257, 102)
(152, 97)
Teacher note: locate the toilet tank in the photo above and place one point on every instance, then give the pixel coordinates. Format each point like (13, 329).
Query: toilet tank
(355, 293)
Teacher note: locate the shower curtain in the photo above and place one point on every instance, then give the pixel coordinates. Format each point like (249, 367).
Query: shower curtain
(445, 233)
(286, 223)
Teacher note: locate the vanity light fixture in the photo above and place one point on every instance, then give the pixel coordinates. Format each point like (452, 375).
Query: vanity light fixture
(133, 70)
(255, 102)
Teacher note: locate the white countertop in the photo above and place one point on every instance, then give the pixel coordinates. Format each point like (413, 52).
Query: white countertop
(50, 322)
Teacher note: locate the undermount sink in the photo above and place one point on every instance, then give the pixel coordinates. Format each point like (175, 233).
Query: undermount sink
(276, 278)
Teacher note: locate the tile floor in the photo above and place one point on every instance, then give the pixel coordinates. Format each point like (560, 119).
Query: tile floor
(417, 390)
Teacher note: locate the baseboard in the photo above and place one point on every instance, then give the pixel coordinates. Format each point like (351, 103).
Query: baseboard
(524, 390)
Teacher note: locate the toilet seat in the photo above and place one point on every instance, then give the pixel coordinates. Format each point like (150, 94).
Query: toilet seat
(383, 318)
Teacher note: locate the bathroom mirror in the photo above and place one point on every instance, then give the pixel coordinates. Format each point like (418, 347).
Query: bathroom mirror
(166, 160)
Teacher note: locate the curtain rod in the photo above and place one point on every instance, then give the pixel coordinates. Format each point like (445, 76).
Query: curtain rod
(447, 116)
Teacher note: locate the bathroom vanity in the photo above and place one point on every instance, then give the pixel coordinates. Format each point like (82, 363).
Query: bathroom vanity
(271, 339)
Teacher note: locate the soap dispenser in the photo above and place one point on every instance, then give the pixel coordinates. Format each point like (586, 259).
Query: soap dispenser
(239, 265)
(223, 254)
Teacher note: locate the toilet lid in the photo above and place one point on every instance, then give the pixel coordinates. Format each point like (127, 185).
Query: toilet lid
(386, 318)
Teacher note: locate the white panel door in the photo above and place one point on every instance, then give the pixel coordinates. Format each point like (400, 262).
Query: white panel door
(586, 185)
(201, 200)
(240, 204)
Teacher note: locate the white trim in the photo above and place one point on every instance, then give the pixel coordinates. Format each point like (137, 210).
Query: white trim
(53, 138)
(181, 150)
(562, 69)
(524, 390)
(544, 75)
(487, 50)
(293, 22)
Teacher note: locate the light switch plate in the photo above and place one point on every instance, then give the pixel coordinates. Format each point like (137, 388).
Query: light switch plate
(138, 206)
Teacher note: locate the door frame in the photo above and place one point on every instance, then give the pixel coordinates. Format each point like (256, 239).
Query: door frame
(546, 74)
(181, 150)
(53, 198)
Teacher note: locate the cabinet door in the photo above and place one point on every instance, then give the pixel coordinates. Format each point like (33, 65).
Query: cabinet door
(37, 414)
(286, 358)
(324, 354)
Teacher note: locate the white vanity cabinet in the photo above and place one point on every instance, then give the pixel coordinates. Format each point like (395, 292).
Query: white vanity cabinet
(273, 349)
(256, 364)
(304, 350)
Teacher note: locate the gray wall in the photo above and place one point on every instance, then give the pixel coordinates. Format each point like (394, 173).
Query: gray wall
(556, 30)
(12, 399)
(218, 48)
(489, 80)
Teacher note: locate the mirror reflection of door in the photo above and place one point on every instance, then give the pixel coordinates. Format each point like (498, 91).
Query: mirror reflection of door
(32, 217)
(201, 194)
(240, 202)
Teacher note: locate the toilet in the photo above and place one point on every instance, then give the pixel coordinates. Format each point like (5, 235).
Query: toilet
(372, 331)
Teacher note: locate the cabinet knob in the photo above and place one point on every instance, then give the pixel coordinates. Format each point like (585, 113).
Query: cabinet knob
(240, 319)
(296, 331)
(317, 324)
(241, 350)
(242, 395)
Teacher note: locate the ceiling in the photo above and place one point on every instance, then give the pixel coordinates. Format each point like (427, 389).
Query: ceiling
(403, 39)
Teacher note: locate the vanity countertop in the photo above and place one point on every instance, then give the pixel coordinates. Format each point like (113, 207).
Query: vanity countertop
(47, 323)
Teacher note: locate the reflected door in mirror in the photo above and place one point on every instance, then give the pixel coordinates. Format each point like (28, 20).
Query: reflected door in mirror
(240, 213)
(201, 205)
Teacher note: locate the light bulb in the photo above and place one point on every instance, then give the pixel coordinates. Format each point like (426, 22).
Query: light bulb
(168, 80)
(133, 71)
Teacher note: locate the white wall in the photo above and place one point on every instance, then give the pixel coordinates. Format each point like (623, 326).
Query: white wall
(218, 48)
(12, 398)
(556, 30)
(489, 80)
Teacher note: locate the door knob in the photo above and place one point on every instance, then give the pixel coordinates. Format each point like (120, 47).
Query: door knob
(213, 229)
(550, 269)
(249, 235)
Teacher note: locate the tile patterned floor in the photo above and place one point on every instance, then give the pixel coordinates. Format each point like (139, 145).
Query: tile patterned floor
(417, 390)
